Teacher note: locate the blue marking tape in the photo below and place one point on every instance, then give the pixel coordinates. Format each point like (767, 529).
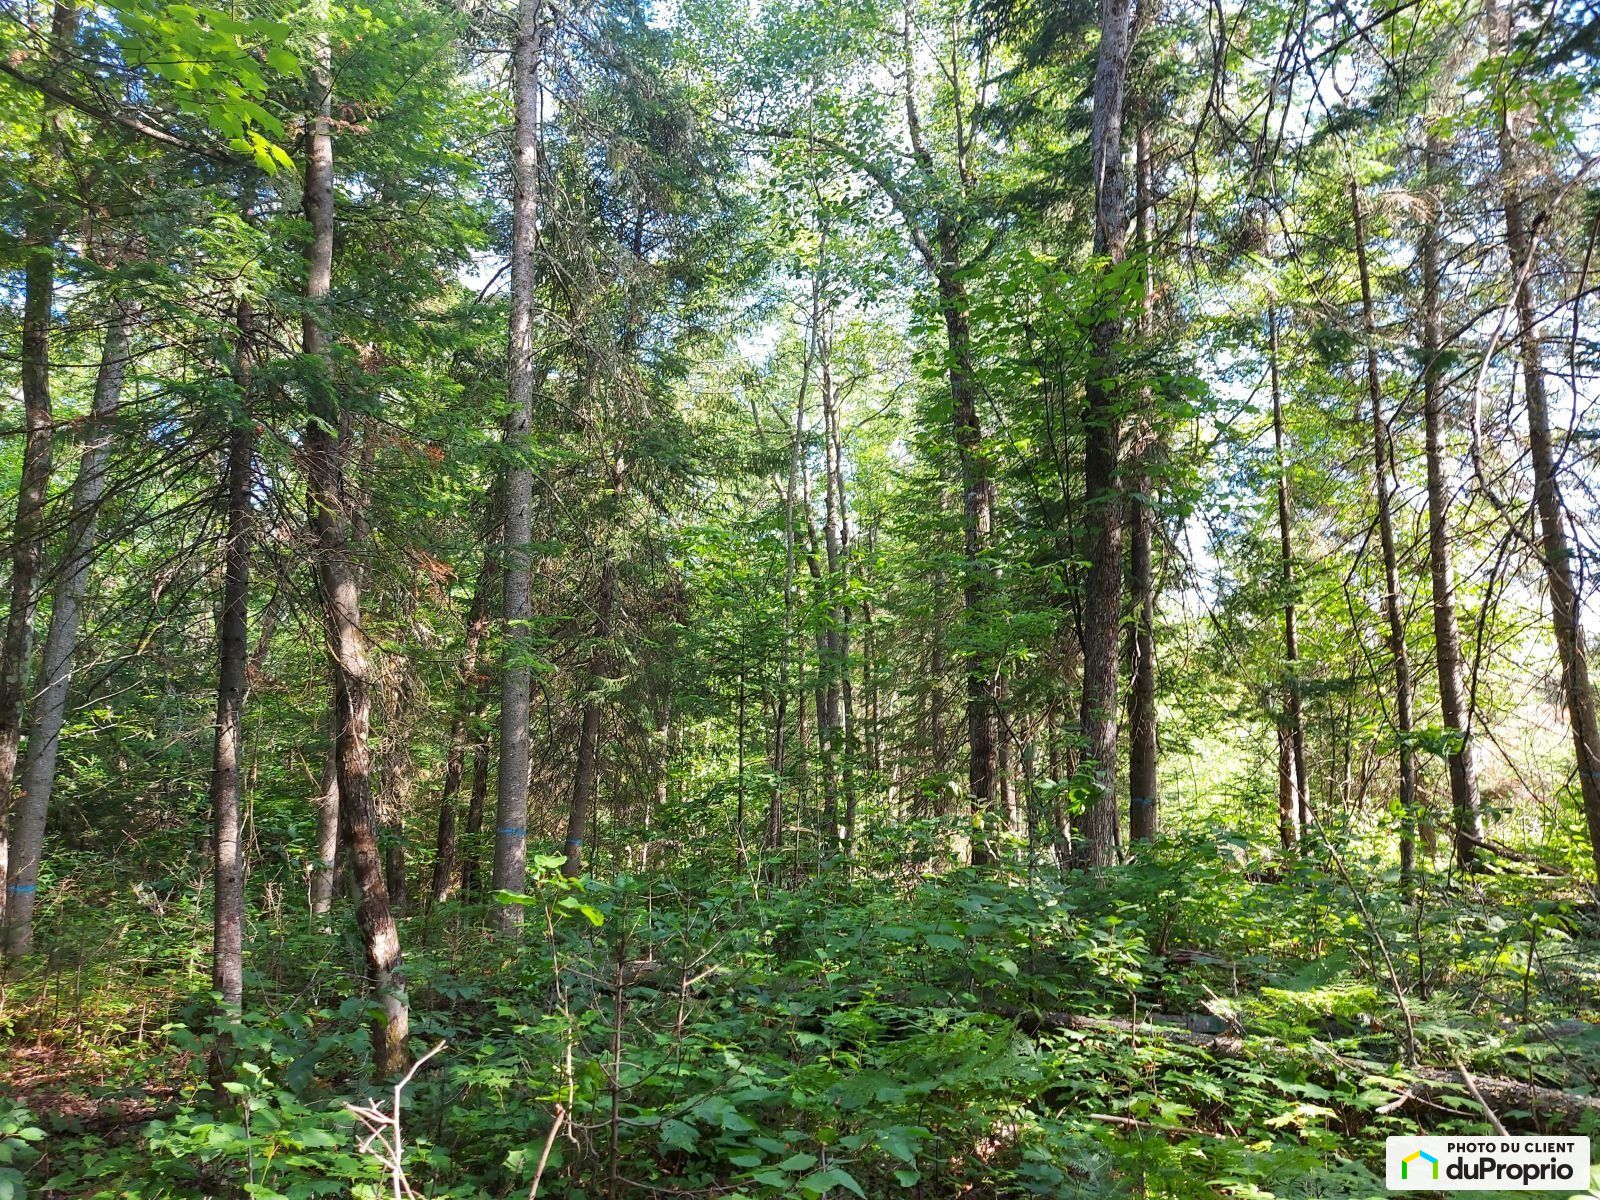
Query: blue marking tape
(513, 832)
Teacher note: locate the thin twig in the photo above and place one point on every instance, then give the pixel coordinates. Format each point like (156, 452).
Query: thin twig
(1472, 1086)
(556, 1121)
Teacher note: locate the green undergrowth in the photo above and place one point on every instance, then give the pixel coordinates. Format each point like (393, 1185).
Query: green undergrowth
(888, 1030)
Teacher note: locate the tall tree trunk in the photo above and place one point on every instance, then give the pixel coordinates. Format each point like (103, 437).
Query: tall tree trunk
(1464, 807)
(340, 586)
(837, 539)
(27, 532)
(938, 759)
(233, 649)
(395, 764)
(583, 777)
(1005, 791)
(469, 706)
(511, 806)
(1102, 603)
(871, 671)
(394, 850)
(786, 659)
(941, 252)
(1143, 793)
(1394, 617)
(477, 802)
(1566, 613)
(825, 688)
(1293, 797)
(977, 520)
(49, 710)
(663, 778)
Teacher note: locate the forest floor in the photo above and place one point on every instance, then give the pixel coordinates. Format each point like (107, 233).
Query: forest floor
(1209, 1020)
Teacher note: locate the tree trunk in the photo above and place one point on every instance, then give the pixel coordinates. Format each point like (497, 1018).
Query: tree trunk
(837, 540)
(1394, 617)
(825, 688)
(340, 586)
(663, 739)
(394, 863)
(583, 777)
(977, 519)
(1143, 793)
(61, 641)
(477, 802)
(1102, 603)
(1464, 807)
(233, 649)
(775, 816)
(470, 700)
(393, 761)
(938, 759)
(511, 806)
(28, 534)
(1293, 798)
(324, 871)
(1005, 791)
(1565, 610)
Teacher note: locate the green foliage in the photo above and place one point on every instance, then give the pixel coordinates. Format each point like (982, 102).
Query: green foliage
(859, 1036)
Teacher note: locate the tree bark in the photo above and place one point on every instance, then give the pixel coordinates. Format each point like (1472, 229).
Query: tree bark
(1565, 610)
(825, 688)
(511, 806)
(340, 585)
(1464, 806)
(836, 529)
(1143, 789)
(28, 534)
(583, 777)
(1394, 617)
(1102, 604)
(1293, 797)
(978, 580)
(469, 706)
(49, 710)
(324, 870)
(775, 814)
(233, 650)
(477, 802)
(663, 777)
(941, 253)
(938, 759)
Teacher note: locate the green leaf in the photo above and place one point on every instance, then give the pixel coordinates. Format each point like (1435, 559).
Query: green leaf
(572, 904)
(504, 897)
(824, 1181)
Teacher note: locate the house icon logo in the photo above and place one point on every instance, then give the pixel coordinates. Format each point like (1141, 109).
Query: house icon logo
(1405, 1163)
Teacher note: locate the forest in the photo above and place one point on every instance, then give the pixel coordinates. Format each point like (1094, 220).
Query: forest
(795, 598)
